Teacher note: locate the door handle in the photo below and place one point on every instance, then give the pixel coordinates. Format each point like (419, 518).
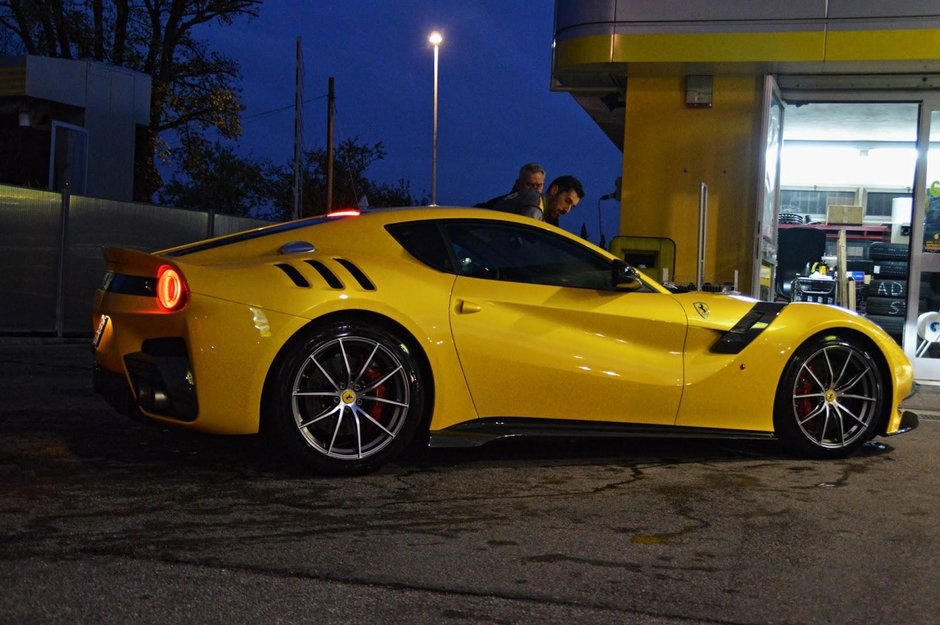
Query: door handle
(464, 307)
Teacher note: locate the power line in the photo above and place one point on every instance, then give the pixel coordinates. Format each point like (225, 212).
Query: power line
(290, 107)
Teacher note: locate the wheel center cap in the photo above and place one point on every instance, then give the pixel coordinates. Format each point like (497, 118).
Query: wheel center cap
(348, 396)
(830, 396)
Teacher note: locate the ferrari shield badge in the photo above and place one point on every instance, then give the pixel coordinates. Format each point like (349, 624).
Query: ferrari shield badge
(702, 309)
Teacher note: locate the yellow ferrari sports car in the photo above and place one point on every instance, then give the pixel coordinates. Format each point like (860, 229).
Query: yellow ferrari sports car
(345, 338)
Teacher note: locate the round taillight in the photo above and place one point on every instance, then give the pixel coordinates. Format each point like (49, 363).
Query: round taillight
(171, 290)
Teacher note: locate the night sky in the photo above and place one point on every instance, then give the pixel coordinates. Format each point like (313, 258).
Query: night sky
(495, 107)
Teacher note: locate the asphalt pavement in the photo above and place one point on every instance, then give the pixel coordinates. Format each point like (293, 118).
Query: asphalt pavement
(105, 520)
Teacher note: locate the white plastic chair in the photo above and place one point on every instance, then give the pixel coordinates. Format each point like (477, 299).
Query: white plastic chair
(928, 329)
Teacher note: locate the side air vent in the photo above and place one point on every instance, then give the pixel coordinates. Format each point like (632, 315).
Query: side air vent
(750, 326)
(294, 275)
(357, 273)
(327, 275)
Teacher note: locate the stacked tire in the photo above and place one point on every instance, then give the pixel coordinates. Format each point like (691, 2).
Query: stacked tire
(886, 302)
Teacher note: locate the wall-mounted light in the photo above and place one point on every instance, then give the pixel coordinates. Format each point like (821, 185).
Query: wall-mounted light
(25, 118)
(698, 91)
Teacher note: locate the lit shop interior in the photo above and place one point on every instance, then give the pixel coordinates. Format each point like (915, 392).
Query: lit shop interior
(848, 169)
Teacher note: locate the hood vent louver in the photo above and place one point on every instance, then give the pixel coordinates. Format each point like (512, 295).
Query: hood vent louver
(295, 276)
(326, 274)
(357, 273)
(332, 280)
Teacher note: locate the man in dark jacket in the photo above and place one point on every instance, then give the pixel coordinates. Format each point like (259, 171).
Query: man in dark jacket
(564, 193)
(531, 176)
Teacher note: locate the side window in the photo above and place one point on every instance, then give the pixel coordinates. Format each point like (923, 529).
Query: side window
(423, 240)
(515, 253)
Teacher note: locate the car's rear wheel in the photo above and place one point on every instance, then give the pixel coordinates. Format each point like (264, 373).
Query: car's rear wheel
(347, 397)
(829, 399)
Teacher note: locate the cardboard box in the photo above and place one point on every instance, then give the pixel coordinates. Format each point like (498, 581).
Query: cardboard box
(838, 214)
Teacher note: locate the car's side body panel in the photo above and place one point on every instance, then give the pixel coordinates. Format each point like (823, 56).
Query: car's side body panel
(533, 350)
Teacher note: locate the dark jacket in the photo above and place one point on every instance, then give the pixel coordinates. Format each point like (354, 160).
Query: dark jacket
(525, 202)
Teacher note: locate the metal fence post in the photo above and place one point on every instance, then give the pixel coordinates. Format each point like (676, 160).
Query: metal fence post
(63, 253)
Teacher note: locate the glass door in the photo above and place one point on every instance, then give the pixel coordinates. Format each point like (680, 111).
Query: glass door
(768, 189)
(922, 329)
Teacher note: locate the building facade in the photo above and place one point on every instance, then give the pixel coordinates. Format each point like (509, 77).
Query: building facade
(71, 124)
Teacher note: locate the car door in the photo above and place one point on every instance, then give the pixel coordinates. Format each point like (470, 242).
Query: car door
(540, 332)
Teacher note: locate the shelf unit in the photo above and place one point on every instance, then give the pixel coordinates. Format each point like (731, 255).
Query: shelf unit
(852, 232)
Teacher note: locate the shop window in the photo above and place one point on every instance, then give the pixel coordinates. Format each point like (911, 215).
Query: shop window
(814, 201)
(879, 203)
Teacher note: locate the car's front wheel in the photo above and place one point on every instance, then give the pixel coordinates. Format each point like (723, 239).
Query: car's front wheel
(829, 399)
(347, 397)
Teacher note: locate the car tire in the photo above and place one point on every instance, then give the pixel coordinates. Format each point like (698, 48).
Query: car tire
(887, 306)
(891, 269)
(887, 288)
(346, 397)
(894, 326)
(829, 399)
(880, 250)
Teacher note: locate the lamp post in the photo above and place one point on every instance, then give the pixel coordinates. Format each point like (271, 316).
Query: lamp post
(435, 39)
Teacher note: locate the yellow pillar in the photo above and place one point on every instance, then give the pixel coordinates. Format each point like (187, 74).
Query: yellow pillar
(670, 149)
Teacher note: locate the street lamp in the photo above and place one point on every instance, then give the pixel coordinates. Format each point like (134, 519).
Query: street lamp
(435, 39)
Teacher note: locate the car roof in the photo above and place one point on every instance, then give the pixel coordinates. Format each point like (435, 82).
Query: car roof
(346, 219)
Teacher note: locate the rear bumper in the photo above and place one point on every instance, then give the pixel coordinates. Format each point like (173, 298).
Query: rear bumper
(159, 382)
(202, 369)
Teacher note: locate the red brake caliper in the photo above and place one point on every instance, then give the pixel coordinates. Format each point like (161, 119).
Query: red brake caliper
(379, 391)
(804, 405)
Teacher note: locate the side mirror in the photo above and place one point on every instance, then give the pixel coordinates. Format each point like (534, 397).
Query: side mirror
(624, 277)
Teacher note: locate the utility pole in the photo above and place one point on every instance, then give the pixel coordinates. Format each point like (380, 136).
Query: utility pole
(330, 107)
(298, 132)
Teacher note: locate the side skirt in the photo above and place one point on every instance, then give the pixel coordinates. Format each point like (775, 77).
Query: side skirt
(481, 431)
